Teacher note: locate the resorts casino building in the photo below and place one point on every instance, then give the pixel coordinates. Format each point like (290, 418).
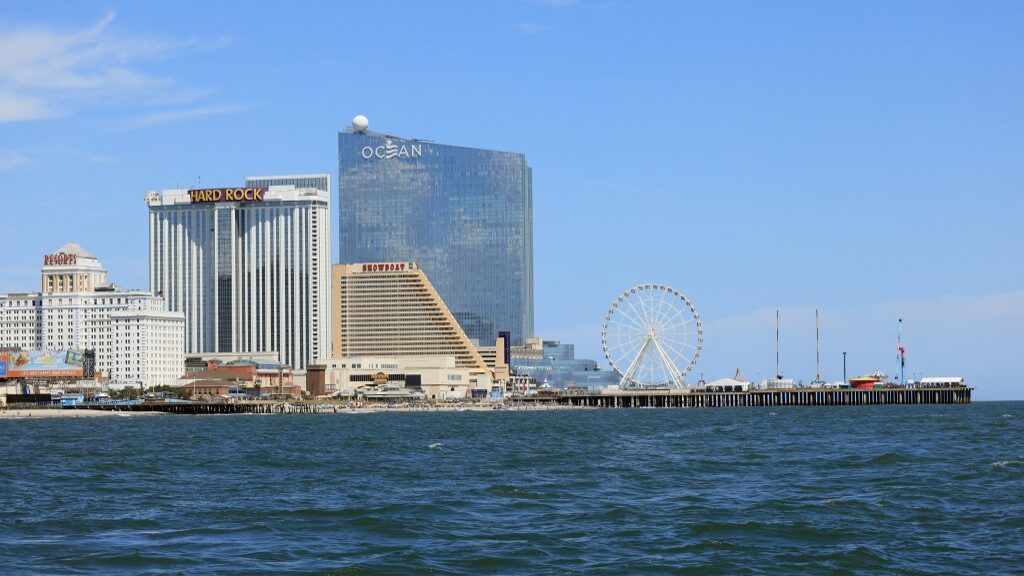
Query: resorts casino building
(135, 338)
(249, 267)
(464, 215)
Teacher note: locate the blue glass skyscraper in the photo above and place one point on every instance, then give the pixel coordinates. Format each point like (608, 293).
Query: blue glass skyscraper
(465, 215)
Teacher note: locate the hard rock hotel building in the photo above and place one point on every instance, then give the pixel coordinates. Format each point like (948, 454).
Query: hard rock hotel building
(250, 267)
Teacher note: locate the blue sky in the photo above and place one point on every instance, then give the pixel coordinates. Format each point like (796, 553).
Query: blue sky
(863, 158)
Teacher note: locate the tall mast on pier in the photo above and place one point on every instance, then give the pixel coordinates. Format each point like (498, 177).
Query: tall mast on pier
(901, 354)
(778, 365)
(817, 346)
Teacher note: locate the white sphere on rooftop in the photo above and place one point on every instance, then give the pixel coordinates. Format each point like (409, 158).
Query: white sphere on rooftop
(360, 123)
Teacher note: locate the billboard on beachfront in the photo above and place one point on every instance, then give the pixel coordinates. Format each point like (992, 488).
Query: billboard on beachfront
(41, 364)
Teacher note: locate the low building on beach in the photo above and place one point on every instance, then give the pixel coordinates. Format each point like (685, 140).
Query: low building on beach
(433, 378)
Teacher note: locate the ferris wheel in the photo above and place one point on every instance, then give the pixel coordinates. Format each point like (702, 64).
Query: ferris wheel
(652, 337)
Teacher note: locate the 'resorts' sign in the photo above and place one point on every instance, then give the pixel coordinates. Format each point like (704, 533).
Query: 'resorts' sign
(60, 259)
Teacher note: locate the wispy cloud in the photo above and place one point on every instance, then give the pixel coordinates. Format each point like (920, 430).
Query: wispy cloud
(10, 159)
(47, 72)
(14, 108)
(48, 156)
(531, 28)
(175, 115)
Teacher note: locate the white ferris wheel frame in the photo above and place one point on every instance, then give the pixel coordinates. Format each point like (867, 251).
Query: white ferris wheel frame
(649, 328)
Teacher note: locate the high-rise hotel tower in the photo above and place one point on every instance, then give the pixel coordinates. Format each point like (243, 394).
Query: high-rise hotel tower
(463, 215)
(250, 267)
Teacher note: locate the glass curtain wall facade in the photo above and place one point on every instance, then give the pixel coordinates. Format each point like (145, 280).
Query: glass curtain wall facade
(551, 362)
(463, 215)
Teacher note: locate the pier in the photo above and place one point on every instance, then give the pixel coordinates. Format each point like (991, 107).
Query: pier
(605, 399)
(759, 398)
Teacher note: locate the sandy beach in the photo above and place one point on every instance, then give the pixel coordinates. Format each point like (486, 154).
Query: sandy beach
(19, 413)
(33, 413)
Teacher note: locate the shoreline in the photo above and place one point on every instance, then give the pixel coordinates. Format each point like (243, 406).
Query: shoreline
(47, 413)
(44, 413)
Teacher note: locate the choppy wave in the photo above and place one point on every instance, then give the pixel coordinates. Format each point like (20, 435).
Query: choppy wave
(866, 490)
(1005, 463)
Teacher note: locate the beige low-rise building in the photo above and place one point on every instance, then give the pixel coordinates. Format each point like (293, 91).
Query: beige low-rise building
(434, 378)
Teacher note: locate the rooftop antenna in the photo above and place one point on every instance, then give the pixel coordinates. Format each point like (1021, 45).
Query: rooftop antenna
(778, 366)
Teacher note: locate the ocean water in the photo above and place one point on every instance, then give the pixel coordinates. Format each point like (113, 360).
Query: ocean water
(856, 490)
